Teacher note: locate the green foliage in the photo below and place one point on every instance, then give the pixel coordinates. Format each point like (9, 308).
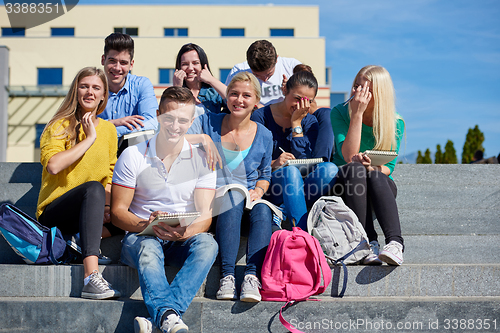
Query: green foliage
(473, 142)
(438, 157)
(450, 154)
(427, 157)
(419, 157)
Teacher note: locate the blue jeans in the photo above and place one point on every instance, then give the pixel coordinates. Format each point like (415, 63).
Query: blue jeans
(228, 232)
(148, 255)
(297, 193)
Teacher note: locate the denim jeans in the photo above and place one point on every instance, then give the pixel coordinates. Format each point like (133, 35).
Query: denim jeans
(148, 255)
(299, 194)
(228, 232)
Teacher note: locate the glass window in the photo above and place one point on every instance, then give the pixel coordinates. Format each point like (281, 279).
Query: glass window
(13, 32)
(282, 32)
(232, 32)
(62, 31)
(337, 98)
(50, 76)
(128, 31)
(39, 130)
(166, 75)
(223, 74)
(175, 32)
(328, 75)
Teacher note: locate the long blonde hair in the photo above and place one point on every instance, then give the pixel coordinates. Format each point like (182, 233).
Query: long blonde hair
(69, 109)
(384, 108)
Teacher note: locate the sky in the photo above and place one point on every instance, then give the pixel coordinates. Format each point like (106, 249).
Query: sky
(443, 56)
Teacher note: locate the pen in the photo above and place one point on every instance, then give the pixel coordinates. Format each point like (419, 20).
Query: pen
(348, 100)
(282, 150)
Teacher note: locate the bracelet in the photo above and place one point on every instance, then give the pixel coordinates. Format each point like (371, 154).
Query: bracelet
(263, 191)
(107, 205)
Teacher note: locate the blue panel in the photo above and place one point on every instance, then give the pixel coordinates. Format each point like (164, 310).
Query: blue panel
(223, 74)
(13, 32)
(169, 32)
(232, 32)
(62, 31)
(337, 98)
(50, 76)
(165, 75)
(282, 32)
(182, 32)
(39, 130)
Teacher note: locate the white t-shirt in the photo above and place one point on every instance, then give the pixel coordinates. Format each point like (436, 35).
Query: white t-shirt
(157, 189)
(271, 89)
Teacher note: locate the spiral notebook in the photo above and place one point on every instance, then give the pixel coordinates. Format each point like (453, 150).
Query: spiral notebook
(172, 219)
(305, 165)
(380, 157)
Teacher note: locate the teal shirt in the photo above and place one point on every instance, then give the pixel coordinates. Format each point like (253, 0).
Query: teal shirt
(340, 123)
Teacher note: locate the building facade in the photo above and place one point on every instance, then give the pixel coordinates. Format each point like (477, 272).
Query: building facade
(44, 59)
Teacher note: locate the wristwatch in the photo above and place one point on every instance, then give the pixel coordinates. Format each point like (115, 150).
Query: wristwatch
(297, 130)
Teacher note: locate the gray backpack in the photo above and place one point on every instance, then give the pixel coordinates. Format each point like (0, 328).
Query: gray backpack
(338, 230)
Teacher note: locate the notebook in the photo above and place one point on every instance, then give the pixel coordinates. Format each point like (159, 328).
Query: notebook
(304, 164)
(172, 219)
(380, 157)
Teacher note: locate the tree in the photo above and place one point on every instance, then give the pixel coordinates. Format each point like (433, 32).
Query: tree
(427, 157)
(419, 157)
(450, 155)
(473, 142)
(438, 157)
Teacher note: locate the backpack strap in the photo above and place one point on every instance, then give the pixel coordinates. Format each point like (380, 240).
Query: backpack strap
(341, 261)
(284, 322)
(52, 234)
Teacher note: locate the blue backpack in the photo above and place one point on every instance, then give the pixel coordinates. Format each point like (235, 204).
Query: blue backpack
(35, 243)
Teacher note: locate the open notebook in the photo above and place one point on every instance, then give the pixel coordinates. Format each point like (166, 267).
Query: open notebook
(172, 219)
(380, 157)
(305, 165)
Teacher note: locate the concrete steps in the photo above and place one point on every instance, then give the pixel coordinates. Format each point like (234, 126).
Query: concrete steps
(409, 280)
(450, 222)
(353, 314)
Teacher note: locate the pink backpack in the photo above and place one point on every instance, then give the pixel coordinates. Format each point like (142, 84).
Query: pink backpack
(294, 269)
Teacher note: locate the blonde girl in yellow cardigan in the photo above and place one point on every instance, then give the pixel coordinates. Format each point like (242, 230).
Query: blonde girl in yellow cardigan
(78, 155)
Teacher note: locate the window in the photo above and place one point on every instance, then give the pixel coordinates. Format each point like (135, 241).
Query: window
(62, 31)
(223, 74)
(166, 75)
(39, 130)
(128, 31)
(282, 33)
(175, 32)
(13, 32)
(232, 32)
(50, 76)
(337, 98)
(328, 75)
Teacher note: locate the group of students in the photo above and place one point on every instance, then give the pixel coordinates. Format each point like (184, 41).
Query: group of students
(263, 116)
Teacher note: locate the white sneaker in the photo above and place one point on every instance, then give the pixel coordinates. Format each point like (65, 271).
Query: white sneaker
(227, 288)
(392, 253)
(250, 289)
(174, 324)
(372, 258)
(145, 325)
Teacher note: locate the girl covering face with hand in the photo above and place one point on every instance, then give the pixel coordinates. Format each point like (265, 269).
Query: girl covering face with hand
(295, 132)
(370, 122)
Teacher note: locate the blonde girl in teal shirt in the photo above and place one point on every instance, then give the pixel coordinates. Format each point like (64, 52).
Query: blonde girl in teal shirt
(368, 122)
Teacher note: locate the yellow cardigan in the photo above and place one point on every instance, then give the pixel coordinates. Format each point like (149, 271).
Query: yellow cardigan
(97, 163)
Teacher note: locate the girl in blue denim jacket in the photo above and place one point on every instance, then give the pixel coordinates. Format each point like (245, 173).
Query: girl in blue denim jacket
(193, 71)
